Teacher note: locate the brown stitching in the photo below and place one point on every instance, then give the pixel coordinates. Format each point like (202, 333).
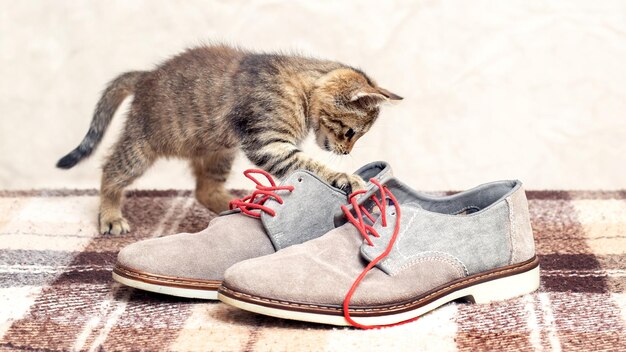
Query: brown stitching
(385, 309)
(454, 263)
(133, 274)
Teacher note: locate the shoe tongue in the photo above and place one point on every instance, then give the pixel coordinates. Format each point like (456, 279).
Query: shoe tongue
(393, 185)
(309, 210)
(407, 201)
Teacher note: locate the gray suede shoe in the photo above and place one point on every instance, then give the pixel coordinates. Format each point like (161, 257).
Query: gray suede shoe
(301, 208)
(389, 266)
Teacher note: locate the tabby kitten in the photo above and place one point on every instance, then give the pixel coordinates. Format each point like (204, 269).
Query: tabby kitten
(208, 102)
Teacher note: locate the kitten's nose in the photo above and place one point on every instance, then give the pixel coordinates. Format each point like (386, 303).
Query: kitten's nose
(346, 152)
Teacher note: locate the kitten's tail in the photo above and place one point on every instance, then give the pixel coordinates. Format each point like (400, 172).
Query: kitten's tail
(114, 94)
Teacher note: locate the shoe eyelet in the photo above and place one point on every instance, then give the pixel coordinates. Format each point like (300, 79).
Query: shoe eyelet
(300, 179)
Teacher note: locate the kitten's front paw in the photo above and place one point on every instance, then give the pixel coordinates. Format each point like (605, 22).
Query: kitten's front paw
(113, 225)
(216, 201)
(348, 182)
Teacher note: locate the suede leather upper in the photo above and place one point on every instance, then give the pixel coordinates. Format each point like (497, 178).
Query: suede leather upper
(321, 271)
(440, 239)
(306, 213)
(471, 240)
(294, 222)
(204, 255)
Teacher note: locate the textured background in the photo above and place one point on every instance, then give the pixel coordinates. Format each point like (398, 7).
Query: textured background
(516, 89)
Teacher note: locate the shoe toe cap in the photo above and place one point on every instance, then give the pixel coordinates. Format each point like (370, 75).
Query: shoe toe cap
(204, 255)
(154, 256)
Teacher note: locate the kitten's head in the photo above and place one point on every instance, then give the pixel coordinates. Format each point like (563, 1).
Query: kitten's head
(343, 106)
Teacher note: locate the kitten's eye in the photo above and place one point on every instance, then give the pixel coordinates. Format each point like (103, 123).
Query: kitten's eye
(350, 133)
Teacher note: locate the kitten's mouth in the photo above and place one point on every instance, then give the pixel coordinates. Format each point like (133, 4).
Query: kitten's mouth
(339, 152)
(331, 148)
(327, 145)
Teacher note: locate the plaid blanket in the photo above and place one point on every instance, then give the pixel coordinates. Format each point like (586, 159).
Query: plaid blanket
(56, 291)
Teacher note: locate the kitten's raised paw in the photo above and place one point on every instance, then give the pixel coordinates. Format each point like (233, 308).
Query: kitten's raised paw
(113, 226)
(348, 182)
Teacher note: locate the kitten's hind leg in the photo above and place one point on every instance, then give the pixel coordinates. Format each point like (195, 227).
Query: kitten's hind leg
(128, 161)
(211, 172)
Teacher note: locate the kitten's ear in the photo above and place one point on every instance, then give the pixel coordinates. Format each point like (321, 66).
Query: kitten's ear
(367, 99)
(388, 94)
(372, 99)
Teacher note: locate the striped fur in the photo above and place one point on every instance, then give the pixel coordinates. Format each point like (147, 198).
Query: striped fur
(207, 103)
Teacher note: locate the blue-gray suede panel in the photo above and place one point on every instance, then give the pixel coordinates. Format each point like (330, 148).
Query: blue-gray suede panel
(308, 212)
(479, 241)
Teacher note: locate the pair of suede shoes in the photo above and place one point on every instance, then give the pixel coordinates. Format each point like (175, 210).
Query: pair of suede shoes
(381, 256)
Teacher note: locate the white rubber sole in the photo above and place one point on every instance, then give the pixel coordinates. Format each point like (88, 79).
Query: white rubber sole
(494, 290)
(166, 290)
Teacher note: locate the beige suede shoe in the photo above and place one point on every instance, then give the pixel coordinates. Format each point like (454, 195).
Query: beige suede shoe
(389, 266)
(193, 265)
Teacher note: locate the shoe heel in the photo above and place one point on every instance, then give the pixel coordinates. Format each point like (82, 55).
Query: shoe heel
(505, 287)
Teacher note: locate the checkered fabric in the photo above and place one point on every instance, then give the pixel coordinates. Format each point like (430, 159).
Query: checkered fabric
(56, 291)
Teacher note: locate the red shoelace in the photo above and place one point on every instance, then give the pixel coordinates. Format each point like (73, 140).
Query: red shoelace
(366, 231)
(253, 204)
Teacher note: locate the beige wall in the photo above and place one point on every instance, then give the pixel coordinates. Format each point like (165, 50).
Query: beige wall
(494, 89)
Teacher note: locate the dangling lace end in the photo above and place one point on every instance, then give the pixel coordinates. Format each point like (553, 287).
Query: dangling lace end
(367, 231)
